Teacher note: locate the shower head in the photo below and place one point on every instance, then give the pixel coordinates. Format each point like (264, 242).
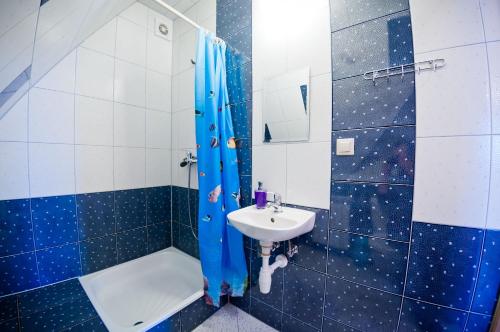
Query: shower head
(188, 160)
(184, 162)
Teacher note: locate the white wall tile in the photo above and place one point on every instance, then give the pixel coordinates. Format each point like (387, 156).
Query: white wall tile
(180, 174)
(103, 40)
(159, 54)
(491, 16)
(52, 169)
(183, 130)
(183, 91)
(158, 91)
(51, 116)
(94, 168)
(454, 101)
(130, 83)
(494, 206)
(94, 74)
(269, 166)
(494, 55)
(185, 51)
(14, 170)
(14, 124)
(62, 76)
(129, 126)
(321, 108)
(257, 133)
(308, 177)
(131, 42)
(451, 180)
(137, 13)
(446, 23)
(129, 168)
(158, 171)
(154, 16)
(93, 121)
(158, 129)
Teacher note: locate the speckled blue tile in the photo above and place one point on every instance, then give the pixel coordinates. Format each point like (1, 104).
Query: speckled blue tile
(131, 244)
(234, 58)
(173, 324)
(18, 273)
(239, 83)
(246, 190)
(313, 246)
(185, 208)
(8, 308)
(241, 42)
(175, 203)
(95, 213)
(384, 155)
(194, 314)
(358, 103)
(275, 297)
(478, 323)
(424, 317)
(443, 264)
(159, 236)
(59, 317)
(98, 253)
(381, 210)
(130, 209)
(16, 234)
(345, 13)
(331, 325)
(377, 44)
(303, 294)
(368, 261)
(265, 313)
(11, 325)
(233, 16)
(361, 307)
(242, 302)
(488, 285)
(244, 154)
(288, 323)
(54, 220)
(92, 325)
(241, 115)
(58, 263)
(158, 204)
(184, 239)
(44, 298)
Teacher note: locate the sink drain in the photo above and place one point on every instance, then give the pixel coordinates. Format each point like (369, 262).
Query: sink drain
(138, 323)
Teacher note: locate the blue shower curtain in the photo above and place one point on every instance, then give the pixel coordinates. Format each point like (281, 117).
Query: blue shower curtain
(221, 245)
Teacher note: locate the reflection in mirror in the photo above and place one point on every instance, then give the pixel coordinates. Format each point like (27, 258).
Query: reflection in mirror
(285, 108)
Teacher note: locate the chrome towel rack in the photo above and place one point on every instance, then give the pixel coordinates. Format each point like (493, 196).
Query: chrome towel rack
(416, 67)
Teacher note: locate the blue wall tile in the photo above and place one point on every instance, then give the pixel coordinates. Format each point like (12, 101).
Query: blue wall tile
(195, 314)
(16, 234)
(172, 324)
(266, 314)
(381, 155)
(234, 58)
(54, 220)
(358, 103)
(184, 208)
(443, 264)
(244, 154)
(158, 204)
(419, 316)
(345, 13)
(377, 44)
(361, 307)
(95, 212)
(246, 190)
(8, 308)
(58, 263)
(239, 83)
(159, 236)
(368, 261)
(303, 294)
(275, 297)
(288, 323)
(18, 273)
(381, 210)
(131, 244)
(233, 16)
(184, 239)
(130, 209)
(241, 115)
(241, 41)
(9, 325)
(98, 254)
(331, 325)
(488, 285)
(92, 325)
(478, 323)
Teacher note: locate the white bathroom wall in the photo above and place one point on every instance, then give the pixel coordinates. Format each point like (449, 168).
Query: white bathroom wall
(299, 171)
(184, 48)
(99, 120)
(458, 113)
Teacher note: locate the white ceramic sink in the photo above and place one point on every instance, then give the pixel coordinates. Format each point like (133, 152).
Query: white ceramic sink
(267, 225)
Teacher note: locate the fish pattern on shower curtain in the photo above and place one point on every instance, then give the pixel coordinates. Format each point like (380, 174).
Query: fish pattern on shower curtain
(221, 245)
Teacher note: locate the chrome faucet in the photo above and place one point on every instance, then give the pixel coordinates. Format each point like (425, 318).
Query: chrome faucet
(276, 203)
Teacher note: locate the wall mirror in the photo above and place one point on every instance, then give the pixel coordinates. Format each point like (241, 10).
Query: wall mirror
(285, 107)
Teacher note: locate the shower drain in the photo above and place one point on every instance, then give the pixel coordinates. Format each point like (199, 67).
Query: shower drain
(138, 323)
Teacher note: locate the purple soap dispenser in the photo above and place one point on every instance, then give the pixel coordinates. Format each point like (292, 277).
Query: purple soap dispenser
(260, 197)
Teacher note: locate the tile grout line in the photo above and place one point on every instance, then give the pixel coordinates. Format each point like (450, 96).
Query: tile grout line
(115, 217)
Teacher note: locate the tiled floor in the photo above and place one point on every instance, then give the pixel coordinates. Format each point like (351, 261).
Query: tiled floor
(231, 319)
